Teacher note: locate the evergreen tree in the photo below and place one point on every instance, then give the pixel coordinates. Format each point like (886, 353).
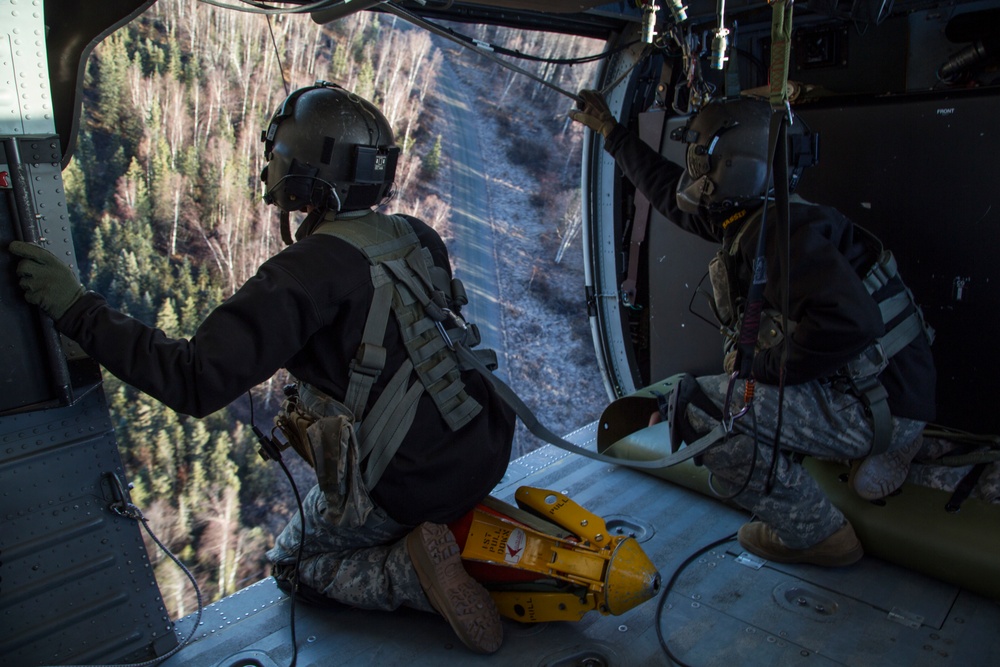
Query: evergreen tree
(432, 161)
(175, 64)
(166, 319)
(164, 469)
(220, 469)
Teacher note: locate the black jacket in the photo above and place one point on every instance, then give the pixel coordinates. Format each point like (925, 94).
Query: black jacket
(835, 316)
(305, 310)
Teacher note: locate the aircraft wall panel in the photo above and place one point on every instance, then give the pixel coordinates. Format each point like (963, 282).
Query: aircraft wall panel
(76, 585)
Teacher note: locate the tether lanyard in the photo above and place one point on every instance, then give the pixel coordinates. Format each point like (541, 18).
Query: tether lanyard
(781, 29)
(781, 40)
(531, 422)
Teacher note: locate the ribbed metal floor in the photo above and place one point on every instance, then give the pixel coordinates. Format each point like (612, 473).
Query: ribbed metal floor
(720, 611)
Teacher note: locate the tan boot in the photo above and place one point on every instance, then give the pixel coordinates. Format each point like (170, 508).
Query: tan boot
(877, 476)
(462, 600)
(840, 549)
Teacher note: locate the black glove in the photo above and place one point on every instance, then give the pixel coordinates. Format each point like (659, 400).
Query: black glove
(47, 282)
(594, 113)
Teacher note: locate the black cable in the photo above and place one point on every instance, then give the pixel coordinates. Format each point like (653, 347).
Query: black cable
(753, 465)
(700, 291)
(298, 559)
(274, 452)
(666, 590)
(126, 509)
(784, 262)
(281, 68)
(514, 53)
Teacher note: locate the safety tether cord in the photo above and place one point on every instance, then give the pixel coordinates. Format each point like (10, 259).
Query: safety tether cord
(538, 429)
(781, 27)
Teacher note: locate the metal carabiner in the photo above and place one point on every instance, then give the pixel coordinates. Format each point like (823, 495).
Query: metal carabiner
(728, 417)
(444, 334)
(457, 320)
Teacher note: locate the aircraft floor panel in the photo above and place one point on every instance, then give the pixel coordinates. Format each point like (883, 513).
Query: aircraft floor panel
(717, 612)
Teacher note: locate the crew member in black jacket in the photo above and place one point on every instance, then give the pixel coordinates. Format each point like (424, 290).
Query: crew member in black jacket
(375, 545)
(830, 353)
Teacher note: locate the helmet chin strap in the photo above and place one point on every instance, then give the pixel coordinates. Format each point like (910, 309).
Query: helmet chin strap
(312, 219)
(286, 232)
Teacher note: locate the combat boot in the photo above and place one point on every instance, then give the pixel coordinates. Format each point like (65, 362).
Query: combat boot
(454, 594)
(877, 476)
(840, 549)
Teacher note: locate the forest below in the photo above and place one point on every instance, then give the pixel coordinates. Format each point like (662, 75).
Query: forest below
(165, 177)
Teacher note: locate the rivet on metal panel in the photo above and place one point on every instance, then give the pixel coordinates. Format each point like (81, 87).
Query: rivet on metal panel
(906, 618)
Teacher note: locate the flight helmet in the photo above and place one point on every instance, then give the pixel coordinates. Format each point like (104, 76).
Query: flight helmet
(328, 148)
(727, 154)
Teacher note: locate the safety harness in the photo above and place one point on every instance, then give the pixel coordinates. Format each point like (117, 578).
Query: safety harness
(860, 375)
(420, 295)
(439, 345)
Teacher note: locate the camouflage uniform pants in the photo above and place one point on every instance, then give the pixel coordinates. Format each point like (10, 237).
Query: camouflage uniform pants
(365, 566)
(816, 420)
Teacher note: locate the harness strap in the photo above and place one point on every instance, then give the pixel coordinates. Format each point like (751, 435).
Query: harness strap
(532, 423)
(438, 372)
(863, 372)
(369, 361)
(874, 397)
(389, 421)
(881, 272)
(781, 40)
(405, 283)
(964, 488)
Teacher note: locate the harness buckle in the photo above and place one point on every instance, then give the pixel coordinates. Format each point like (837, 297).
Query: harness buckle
(369, 360)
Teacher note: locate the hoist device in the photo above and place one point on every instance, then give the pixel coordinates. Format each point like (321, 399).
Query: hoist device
(549, 559)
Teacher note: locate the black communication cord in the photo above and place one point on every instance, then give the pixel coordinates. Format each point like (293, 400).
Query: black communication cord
(753, 465)
(780, 175)
(753, 413)
(274, 452)
(666, 590)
